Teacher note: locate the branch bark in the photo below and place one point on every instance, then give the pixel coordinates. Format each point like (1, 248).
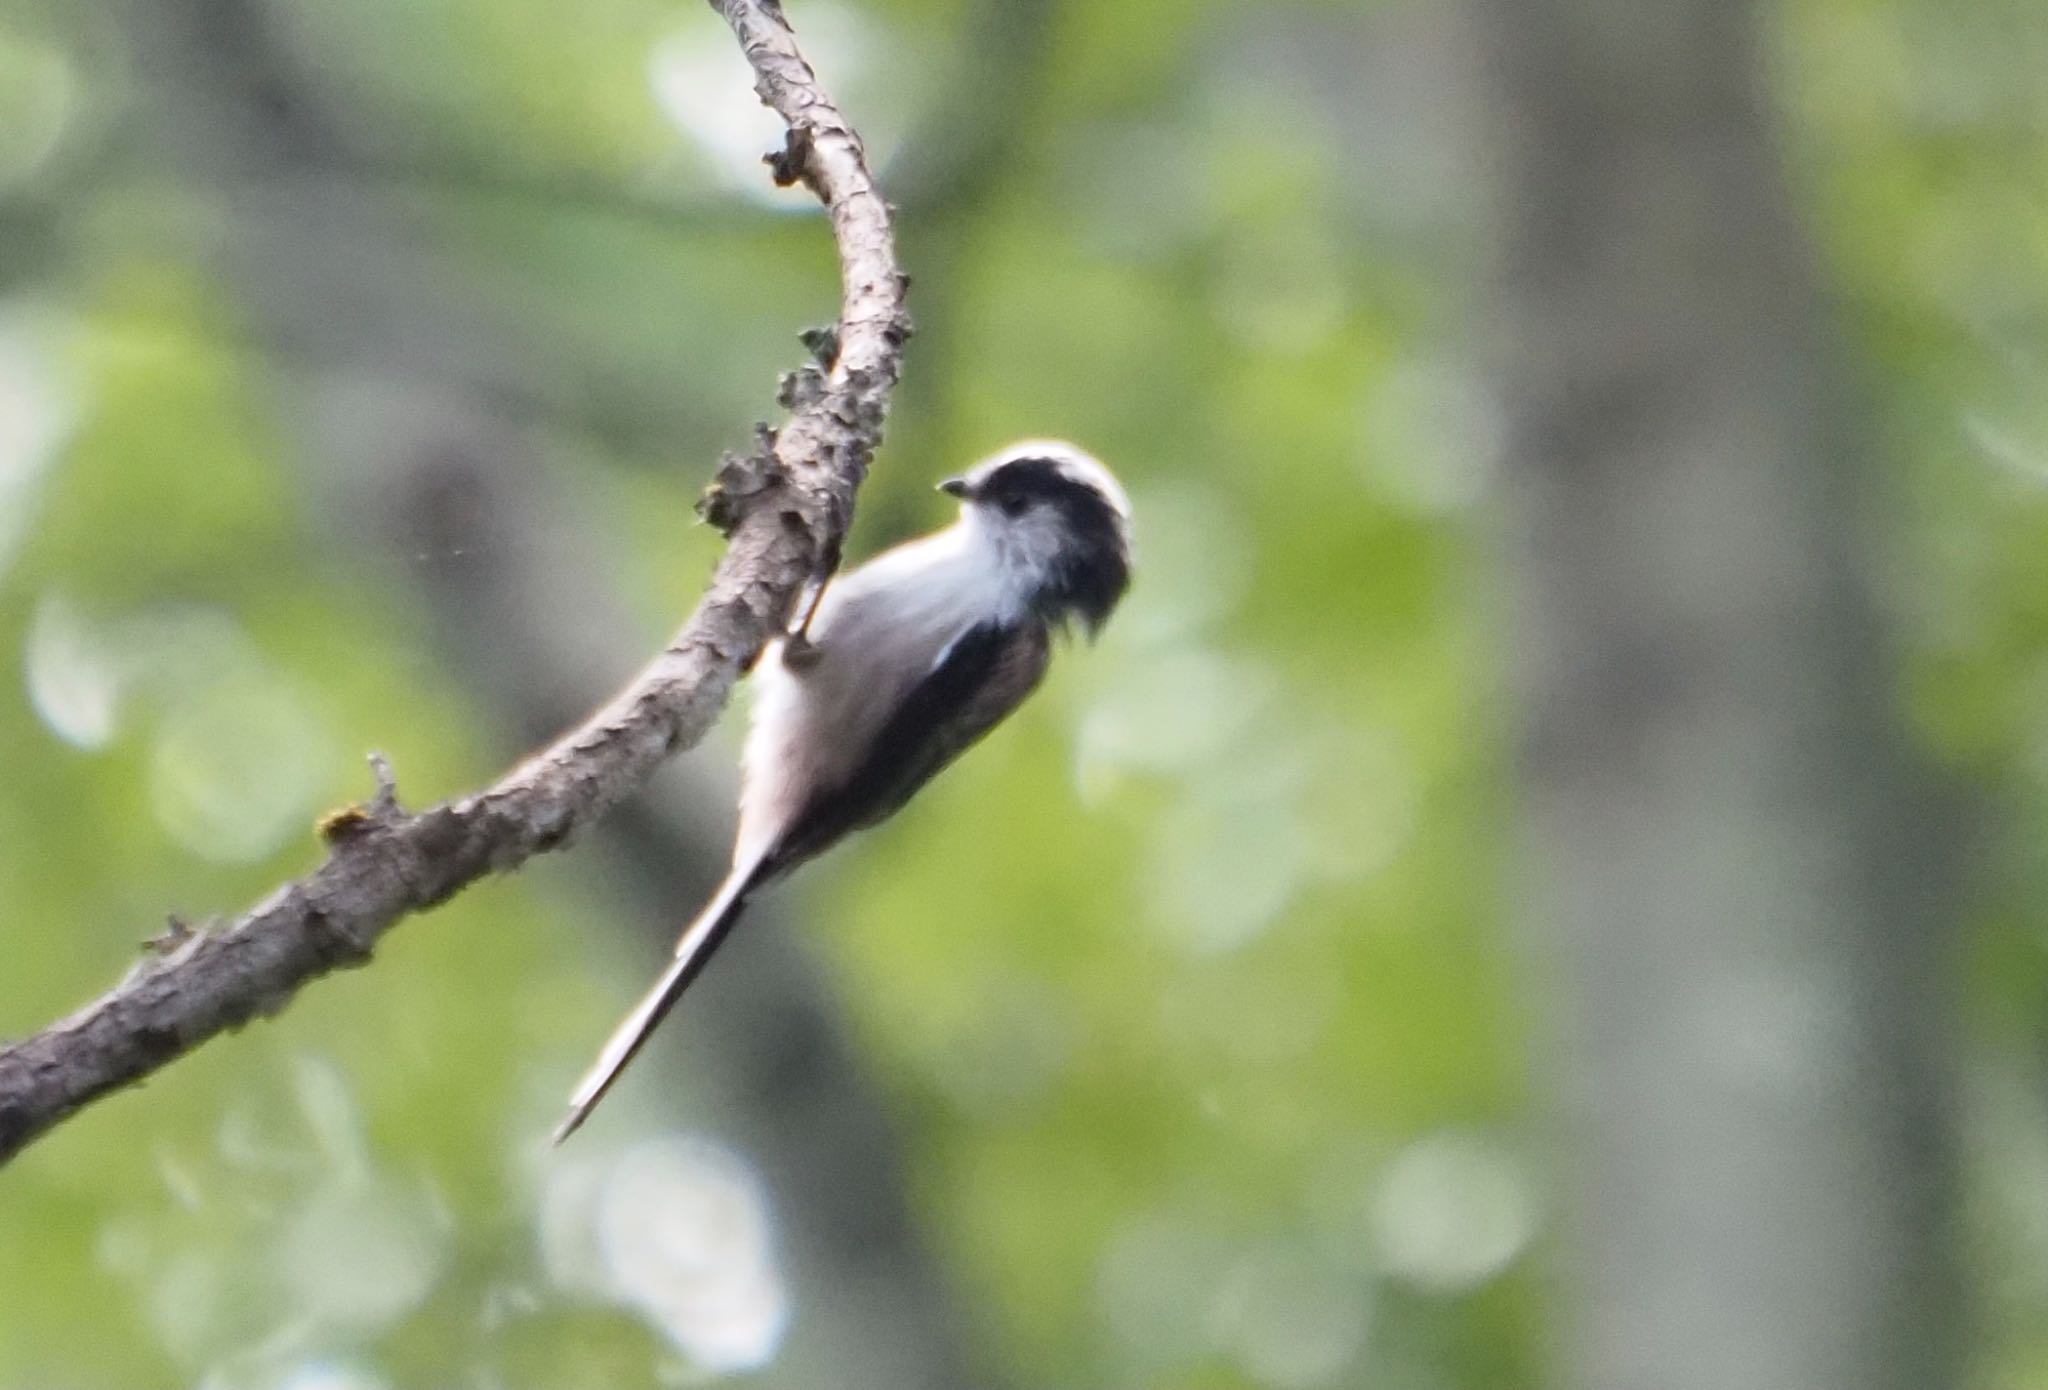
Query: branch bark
(784, 508)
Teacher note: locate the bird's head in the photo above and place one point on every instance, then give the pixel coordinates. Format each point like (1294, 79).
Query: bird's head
(1058, 520)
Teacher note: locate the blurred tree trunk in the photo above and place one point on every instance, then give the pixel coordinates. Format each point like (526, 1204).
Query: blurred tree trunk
(1731, 856)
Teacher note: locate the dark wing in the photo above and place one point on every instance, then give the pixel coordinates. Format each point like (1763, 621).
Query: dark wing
(980, 678)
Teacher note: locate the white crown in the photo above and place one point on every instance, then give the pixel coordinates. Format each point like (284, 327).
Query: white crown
(1072, 461)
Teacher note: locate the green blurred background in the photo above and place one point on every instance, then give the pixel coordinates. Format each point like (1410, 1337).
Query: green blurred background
(358, 367)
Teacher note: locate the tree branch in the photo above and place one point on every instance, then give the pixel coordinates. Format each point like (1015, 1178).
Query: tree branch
(784, 509)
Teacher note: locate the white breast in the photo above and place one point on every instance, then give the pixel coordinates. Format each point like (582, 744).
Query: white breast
(879, 631)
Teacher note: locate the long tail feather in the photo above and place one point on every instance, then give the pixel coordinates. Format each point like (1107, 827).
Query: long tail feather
(693, 949)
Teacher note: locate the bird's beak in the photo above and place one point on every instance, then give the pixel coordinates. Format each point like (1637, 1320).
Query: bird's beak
(956, 487)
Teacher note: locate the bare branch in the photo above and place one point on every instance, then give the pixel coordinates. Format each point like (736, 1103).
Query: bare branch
(785, 509)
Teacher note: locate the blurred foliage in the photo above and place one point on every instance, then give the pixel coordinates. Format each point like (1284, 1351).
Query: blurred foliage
(1189, 991)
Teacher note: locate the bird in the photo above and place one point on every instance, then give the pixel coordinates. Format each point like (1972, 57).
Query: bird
(901, 665)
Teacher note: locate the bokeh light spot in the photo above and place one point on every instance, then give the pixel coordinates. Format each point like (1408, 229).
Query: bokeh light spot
(238, 767)
(705, 89)
(1228, 859)
(685, 1230)
(328, 1375)
(1430, 436)
(72, 674)
(1158, 1281)
(1452, 1211)
(1194, 564)
(360, 1255)
(1168, 715)
(680, 1231)
(1292, 1320)
(37, 413)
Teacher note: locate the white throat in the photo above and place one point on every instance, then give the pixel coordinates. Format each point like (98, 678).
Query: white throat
(1019, 554)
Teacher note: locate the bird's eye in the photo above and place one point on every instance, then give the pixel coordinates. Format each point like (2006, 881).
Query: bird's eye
(1014, 504)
